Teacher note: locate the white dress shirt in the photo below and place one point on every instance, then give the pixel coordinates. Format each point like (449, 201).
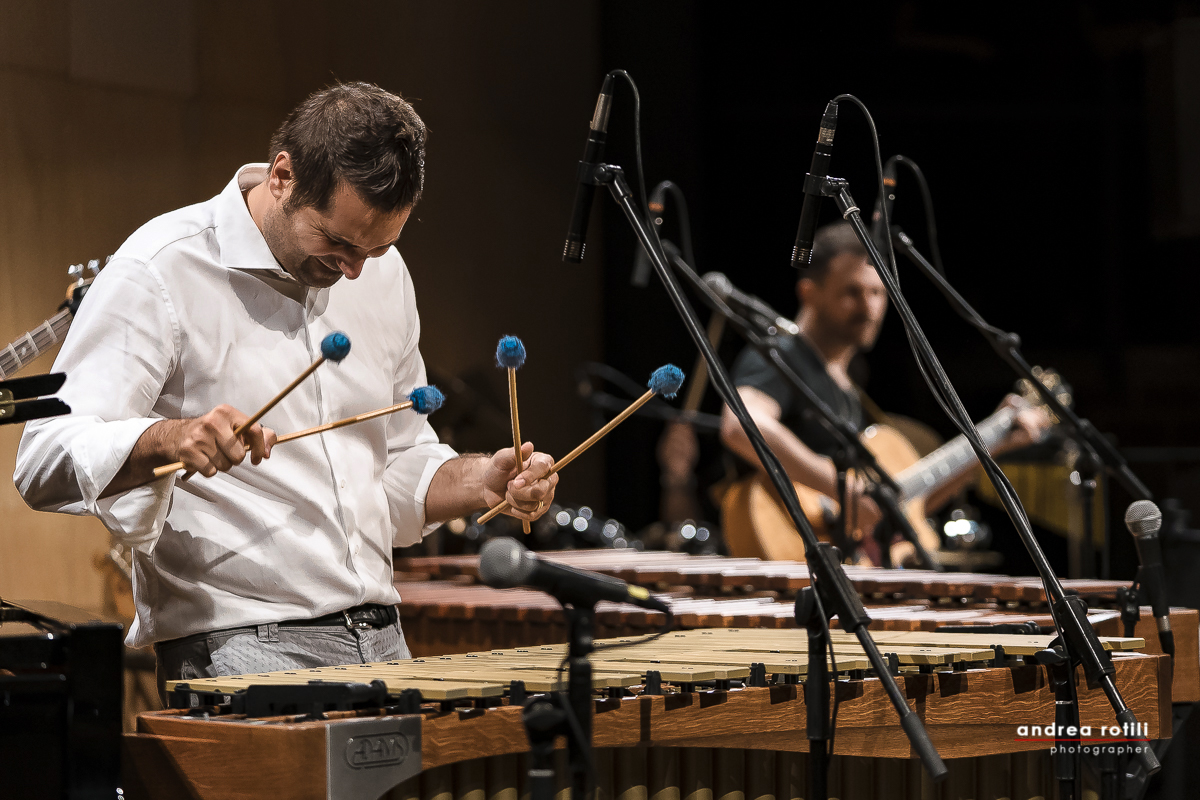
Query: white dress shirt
(193, 311)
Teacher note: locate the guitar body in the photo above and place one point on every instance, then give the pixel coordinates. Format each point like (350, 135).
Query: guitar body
(756, 525)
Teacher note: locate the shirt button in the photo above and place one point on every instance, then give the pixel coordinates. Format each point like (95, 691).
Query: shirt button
(342, 484)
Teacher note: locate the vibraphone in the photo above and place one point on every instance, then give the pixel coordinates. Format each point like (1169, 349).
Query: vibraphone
(445, 611)
(707, 714)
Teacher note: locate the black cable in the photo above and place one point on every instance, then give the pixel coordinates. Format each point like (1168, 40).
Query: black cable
(637, 142)
(883, 210)
(935, 250)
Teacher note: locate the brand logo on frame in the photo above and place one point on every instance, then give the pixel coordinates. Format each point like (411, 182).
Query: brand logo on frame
(378, 750)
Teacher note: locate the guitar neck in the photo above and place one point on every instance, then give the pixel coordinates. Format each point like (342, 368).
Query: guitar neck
(953, 458)
(35, 342)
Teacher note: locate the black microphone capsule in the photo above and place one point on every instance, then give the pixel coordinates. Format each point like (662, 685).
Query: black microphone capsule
(813, 181)
(593, 152)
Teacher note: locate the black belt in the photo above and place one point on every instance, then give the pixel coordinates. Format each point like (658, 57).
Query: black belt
(369, 615)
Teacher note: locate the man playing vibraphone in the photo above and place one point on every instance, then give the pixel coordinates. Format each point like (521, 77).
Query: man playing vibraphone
(284, 562)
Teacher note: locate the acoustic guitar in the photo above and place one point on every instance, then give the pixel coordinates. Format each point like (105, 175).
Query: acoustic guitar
(37, 341)
(757, 526)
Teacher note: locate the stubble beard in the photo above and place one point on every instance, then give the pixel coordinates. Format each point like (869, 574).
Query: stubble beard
(307, 270)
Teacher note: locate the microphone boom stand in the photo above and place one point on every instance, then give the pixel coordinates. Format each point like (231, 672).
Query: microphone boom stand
(1096, 453)
(546, 717)
(1077, 641)
(1008, 346)
(832, 587)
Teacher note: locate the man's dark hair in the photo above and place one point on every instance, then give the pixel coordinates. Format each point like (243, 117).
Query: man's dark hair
(831, 241)
(357, 134)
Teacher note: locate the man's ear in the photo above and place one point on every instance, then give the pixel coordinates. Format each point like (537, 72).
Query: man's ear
(280, 176)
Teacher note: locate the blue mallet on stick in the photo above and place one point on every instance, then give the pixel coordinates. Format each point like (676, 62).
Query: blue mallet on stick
(423, 400)
(510, 354)
(666, 381)
(334, 347)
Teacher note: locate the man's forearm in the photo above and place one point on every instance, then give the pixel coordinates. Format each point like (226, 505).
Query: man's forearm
(156, 446)
(801, 464)
(456, 489)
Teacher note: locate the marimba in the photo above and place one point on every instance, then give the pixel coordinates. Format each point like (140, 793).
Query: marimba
(697, 714)
(718, 574)
(445, 611)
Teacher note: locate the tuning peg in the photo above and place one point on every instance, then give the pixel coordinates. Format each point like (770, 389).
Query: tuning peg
(94, 266)
(75, 270)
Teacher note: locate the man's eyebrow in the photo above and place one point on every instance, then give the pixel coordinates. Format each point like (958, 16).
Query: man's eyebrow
(334, 237)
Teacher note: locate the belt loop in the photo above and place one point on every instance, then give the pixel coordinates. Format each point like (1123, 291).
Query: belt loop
(268, 633)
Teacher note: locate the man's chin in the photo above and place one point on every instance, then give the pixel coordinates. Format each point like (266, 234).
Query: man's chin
(314, 273)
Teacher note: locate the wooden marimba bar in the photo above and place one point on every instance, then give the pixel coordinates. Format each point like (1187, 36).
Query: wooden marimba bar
(717, 574)
(444, 610)
(711, 713)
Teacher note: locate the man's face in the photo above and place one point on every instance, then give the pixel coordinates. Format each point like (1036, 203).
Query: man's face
(318, 248)
(849, 304)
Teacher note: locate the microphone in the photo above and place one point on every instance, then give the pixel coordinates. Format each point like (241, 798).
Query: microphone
(641, 262)
(817, 173)
(1144, 520)
(722, 287)
(505, 563)
(593, 151)
(878, 234)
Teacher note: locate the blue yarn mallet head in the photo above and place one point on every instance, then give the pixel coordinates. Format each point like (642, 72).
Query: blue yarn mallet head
(426, 399)
(335, 346)
(510, 353)
(666, 380)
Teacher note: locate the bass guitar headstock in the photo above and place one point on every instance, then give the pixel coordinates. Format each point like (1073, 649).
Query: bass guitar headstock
(1050, 380)
(83, 274)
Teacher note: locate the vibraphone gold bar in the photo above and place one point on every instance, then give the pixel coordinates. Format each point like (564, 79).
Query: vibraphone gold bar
(698, 714)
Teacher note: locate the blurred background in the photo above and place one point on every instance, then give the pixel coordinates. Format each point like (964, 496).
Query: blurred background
(1062, 150)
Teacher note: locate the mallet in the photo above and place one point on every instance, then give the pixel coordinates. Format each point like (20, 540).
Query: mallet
(334, 347)
(666, 381)
(423, 400)
(510, 354)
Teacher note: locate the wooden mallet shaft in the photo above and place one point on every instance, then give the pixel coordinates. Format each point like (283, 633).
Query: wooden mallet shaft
(578, 451)
(516, 429)
(341, 423)
(167, 469)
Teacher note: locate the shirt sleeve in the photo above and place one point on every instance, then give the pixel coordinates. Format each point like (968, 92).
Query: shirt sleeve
(120, 350)
(414, 453)
(751, 369)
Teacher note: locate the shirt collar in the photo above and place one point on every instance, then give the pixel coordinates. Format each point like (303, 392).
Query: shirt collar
(242, 244)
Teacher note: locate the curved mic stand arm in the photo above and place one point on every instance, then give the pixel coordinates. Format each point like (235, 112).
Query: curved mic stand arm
(852, 454)
(1008, 347)
(825, 569)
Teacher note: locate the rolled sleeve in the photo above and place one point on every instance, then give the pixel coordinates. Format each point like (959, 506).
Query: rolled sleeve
(116, 360)
(414, 453)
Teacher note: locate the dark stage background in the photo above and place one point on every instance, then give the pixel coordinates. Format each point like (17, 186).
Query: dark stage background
(1063, 150)
(1056, 146)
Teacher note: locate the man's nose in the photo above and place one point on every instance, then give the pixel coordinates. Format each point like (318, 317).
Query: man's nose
(351, 267)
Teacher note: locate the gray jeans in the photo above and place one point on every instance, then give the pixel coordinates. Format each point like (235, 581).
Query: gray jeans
(274, 647)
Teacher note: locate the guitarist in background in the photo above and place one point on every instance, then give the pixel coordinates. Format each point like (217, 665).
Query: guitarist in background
(842, 305)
